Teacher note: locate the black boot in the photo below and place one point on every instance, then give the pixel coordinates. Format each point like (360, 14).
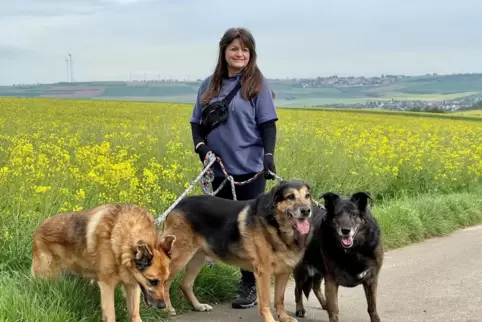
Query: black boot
(246, 294)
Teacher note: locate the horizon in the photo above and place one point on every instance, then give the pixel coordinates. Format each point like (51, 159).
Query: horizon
(174, 80)
(118, 40)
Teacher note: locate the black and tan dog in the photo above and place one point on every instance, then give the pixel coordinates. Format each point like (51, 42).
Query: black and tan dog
(346, 249)
(267, 235)
(112, 244)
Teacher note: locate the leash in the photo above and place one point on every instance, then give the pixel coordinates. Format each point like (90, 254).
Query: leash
(207, 179)
(189, 188)
(207, 176)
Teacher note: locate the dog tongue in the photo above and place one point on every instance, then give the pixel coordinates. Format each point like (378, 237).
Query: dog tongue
(347, 241)
(303, 226)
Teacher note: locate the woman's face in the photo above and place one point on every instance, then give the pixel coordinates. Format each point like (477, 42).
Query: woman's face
(236, 55)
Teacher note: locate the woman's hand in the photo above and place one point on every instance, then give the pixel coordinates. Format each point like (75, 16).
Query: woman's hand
(202, 151)
(268, 163)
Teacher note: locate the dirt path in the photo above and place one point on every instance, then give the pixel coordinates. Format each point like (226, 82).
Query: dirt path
(436, 280)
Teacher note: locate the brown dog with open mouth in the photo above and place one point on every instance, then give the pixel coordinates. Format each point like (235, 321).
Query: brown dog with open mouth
(267, 235)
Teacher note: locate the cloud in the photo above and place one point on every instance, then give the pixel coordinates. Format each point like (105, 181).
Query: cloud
(12, 52)
(111, 38)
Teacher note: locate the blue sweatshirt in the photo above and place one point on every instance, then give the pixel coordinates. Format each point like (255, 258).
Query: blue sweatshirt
(237, 141)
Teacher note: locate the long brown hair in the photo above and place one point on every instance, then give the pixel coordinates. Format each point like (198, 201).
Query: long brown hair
(252, 79)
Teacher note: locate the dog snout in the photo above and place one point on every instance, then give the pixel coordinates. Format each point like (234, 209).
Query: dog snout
(161, 304)
(345, 231)
(305, 211)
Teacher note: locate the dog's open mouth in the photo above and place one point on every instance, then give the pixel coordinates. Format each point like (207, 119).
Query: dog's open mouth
(303, 225)
(145, 295)
(347, 241)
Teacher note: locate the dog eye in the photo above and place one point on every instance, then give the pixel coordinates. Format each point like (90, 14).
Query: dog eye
(307, 196)
(154, 282)
(291, 197)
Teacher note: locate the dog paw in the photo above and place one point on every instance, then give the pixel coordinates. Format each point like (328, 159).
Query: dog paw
(300, 313)
(203, 307)
(288, 319)
(375, 318)
(171, 312)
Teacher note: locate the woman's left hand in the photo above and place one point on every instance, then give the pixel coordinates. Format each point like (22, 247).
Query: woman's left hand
(268, 163)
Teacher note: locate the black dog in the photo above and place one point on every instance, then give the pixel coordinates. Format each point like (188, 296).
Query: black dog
(346, 249)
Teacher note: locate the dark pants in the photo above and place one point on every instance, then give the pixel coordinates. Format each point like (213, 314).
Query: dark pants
(245, 192)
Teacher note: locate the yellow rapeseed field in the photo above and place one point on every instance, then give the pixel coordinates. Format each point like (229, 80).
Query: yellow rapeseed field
(62, 155)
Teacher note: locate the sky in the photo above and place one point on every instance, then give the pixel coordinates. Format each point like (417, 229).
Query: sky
(119, 39)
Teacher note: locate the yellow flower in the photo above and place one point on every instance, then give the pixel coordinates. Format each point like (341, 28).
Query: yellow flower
(42, 189)
(111, 151)
(80, 194)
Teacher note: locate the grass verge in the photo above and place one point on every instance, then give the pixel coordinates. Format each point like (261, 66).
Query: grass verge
(408, 220)
(70, 299)
(403, 221)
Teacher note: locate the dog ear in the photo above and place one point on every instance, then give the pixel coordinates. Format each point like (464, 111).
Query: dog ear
(330, 200)
(361, 199)
(166, 244)
(277, 193)
(142, 255)
(307, 185)
(269, 199)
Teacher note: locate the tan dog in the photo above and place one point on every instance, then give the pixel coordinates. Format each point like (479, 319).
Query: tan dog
(267, 235)
(112, 244)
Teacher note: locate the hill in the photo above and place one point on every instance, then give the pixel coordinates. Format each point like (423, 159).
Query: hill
(385, 92)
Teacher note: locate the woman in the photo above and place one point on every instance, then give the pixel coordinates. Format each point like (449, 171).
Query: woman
(245, 142)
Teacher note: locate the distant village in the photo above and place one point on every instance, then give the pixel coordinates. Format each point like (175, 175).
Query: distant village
(413, 105)
(392, 104)
(350, 81)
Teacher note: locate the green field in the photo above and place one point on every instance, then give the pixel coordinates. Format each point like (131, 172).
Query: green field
(423, 170)
(289, 93)
(308, 102)
(470, 113)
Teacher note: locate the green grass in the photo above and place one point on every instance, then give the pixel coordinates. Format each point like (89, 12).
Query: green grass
(424, 171)
(74, 299)
(408, 220)
(403, 221)
(472, 113)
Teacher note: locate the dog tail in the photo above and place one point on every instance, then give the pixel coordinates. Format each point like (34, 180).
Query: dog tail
(307, 286)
